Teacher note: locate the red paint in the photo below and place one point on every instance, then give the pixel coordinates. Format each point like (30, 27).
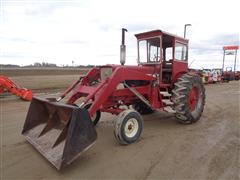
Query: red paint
(105, 94)
(193, 99)
(230, 47)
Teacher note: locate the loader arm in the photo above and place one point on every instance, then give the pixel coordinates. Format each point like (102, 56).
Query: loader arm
(101, 93)
(60, 131)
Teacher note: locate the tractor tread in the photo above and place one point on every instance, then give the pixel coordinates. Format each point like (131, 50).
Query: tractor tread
(181, 88)
(179, 106)
(180, 98)
(175, 93)
(178, 84)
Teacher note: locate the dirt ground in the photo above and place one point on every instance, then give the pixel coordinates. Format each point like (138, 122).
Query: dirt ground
(209, 149)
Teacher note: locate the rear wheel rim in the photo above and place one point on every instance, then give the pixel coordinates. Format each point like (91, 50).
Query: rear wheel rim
(193, 99)
(131, 128)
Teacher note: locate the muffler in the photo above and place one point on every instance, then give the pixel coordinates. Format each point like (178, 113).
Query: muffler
(60, 132)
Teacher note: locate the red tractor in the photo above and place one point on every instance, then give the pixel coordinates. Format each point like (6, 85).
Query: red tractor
(160, 81)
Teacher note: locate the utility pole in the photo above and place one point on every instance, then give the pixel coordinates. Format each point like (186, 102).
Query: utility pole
(185, 27)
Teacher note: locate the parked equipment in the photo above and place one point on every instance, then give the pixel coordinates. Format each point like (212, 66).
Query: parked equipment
(7, 85)
(161, 81)
(206, 76)
(237, 75)
(216, 75)
(230, 74)
(210, 76)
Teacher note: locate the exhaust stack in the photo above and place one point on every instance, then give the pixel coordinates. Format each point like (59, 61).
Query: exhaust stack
(123, 48)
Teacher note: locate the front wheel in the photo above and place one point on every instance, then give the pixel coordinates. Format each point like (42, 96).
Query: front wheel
(96, 117)
(189, 98)
(128, 127)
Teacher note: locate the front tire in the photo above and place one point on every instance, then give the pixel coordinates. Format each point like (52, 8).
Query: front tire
(96, 117)
(128, 127)
(188, 98)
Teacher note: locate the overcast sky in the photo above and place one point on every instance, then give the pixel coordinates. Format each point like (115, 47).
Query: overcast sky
(89, 31)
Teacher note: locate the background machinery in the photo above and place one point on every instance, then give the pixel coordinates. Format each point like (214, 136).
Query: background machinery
(228, 73)
(61, 130)
(210, 76)
(7, 85)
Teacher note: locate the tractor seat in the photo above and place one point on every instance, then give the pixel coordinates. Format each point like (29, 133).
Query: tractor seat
(167, 66)
(167, 69)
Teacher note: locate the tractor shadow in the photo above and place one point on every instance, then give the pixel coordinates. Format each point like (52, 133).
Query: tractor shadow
(155, 125)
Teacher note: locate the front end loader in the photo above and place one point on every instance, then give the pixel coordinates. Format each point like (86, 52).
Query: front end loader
(161, 81)
(60, 132)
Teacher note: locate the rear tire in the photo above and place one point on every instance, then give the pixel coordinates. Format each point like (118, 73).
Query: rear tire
(128, 127)
(189, 98)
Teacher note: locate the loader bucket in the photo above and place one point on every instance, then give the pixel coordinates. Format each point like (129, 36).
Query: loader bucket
(60, 132)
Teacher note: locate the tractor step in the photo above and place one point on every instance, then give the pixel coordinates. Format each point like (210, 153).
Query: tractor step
(169, 109)
(167, 102)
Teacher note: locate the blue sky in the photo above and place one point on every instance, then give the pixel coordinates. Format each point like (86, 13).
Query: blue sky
(88, 32)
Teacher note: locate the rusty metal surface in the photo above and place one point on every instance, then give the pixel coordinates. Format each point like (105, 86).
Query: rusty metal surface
(60, 132)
